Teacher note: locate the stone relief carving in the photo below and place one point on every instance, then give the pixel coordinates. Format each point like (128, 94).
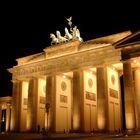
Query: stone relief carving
(113, 79)
(63, 86)
(63, 99)
(90, 82)
(52, 66)
(90, 96)
(73, 34)
(113, 93)
(61, 64)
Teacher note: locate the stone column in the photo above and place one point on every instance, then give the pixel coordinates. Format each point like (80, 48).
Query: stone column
(129, 96)
(137, 96)
(23, 106)
(102, 99)
(0, 115)
(51, 100)
(8, 115)
(32, 106)
(78, 101)
(15, 106)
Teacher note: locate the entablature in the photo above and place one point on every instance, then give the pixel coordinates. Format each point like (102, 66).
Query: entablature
(79, 59)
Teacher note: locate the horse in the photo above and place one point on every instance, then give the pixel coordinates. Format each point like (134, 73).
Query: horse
(54, 39)
(61, 39)
(67, 34)
(76, 34)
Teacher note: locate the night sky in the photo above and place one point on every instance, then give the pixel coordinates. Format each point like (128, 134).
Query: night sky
(25, 27)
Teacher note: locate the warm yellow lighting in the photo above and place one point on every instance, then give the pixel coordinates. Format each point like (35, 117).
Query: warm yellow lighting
(28, 122)
(101, 122)
(113, 68)
(76, 122)
(3, 118)
(42, 87)
(64, 76)
(4, 106)
(25, 87)
(135, 61)
(130, 121)
(47, 122)
(11, 125)
(91, 72)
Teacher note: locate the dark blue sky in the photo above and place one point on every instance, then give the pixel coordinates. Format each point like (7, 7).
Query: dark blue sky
(25, 27)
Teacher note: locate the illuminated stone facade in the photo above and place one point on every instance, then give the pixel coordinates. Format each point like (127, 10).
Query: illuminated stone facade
(77, 86)
(5, 113)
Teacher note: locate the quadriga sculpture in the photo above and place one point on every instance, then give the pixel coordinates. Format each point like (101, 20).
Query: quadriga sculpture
(61, 39)
(54, 39)
(67, 34)
(76, 34)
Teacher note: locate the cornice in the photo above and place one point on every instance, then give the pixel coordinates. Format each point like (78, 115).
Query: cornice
(67, 63)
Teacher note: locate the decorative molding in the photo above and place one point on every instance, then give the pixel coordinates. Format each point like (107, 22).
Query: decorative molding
(90, 82)
(63, 99)
(42, 100)
(113, 79)
(90, 96)
(113, 93)
(66, 63)
(25, 101)
(62, 49)
(63, 86)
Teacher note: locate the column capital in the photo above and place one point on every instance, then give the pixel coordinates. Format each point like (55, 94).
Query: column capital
(126, 61)
(103, 65)
(15, 81)
(20, 80)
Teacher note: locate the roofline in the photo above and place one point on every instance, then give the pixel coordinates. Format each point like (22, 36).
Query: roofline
(126, 38)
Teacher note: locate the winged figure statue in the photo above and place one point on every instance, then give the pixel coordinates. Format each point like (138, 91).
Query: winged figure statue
(69, 21)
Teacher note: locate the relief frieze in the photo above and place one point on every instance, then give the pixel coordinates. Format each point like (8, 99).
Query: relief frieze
(63, 99)
(60, 64)
(90, 96)
(113, 93)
